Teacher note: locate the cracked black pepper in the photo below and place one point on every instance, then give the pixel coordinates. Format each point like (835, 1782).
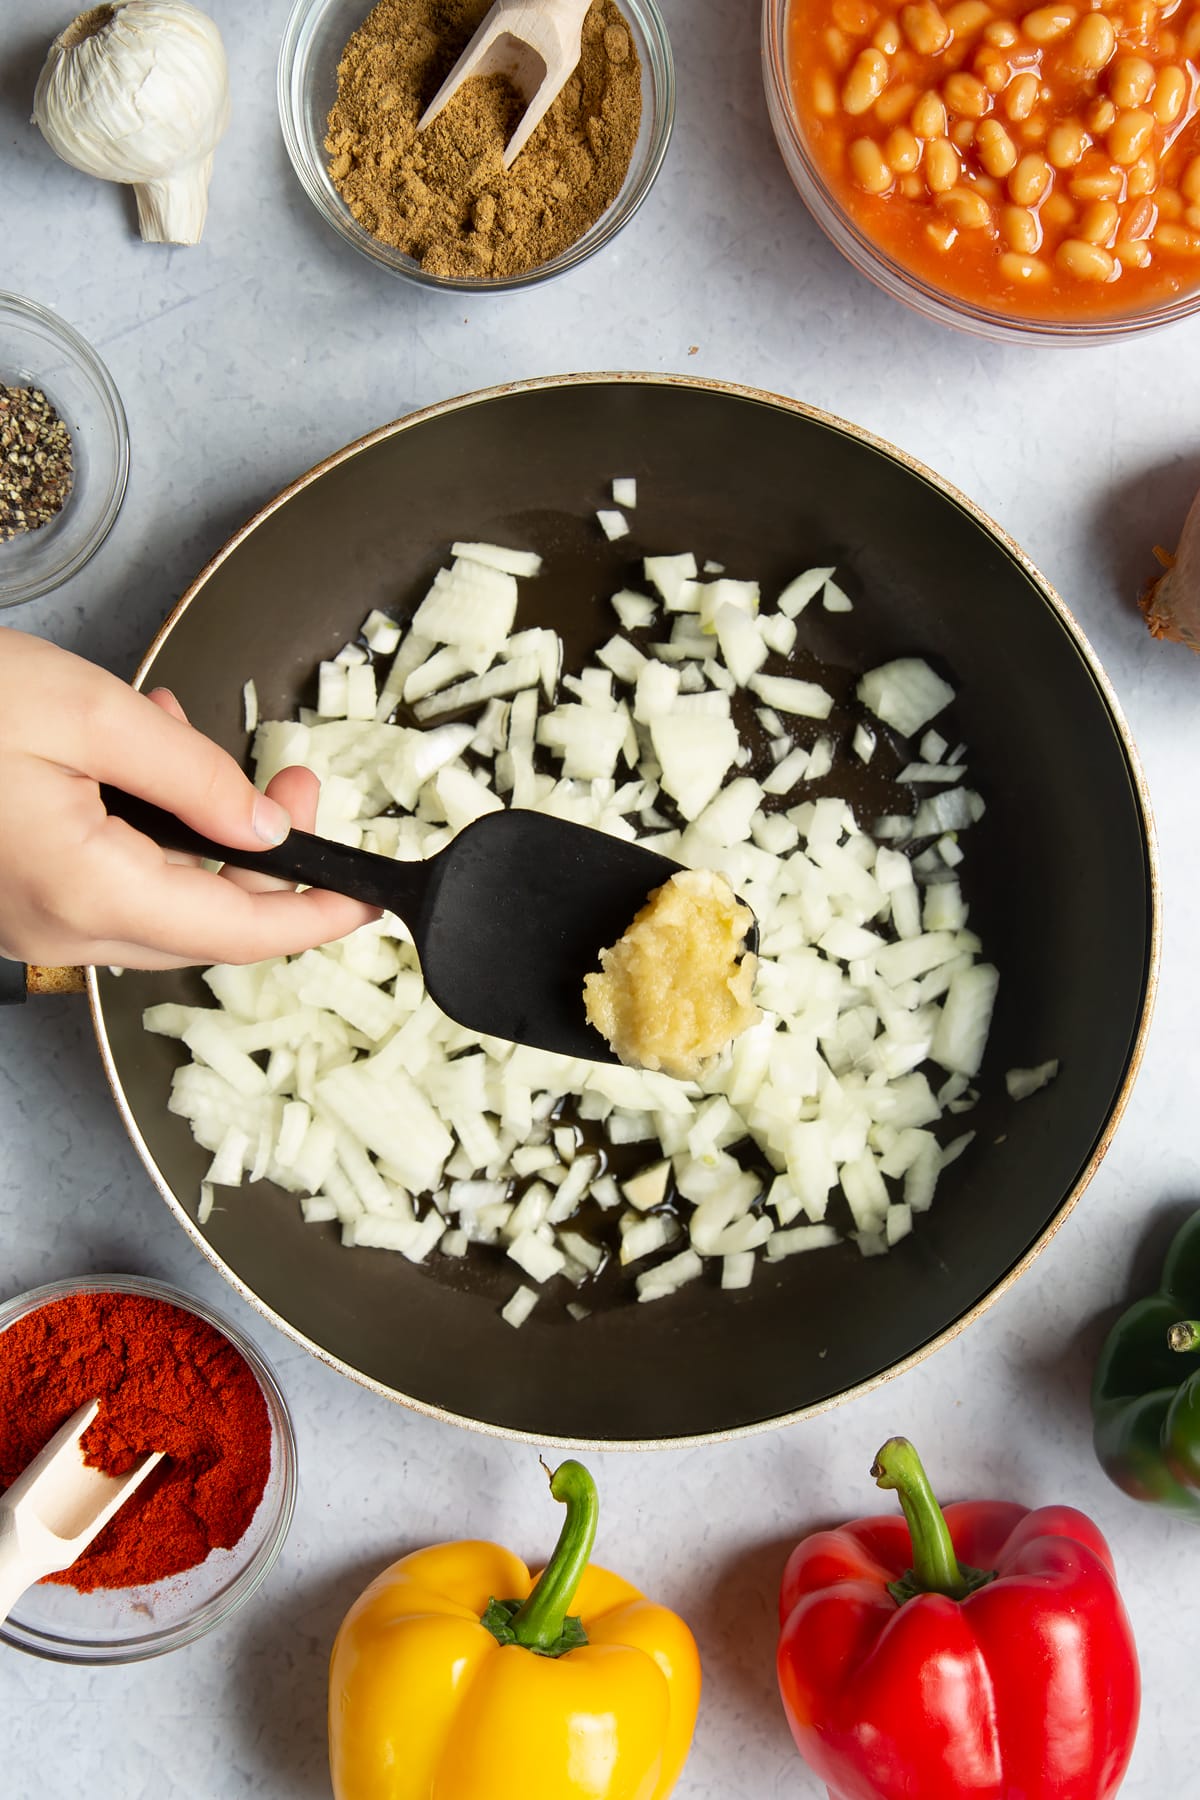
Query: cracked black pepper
(36, 466)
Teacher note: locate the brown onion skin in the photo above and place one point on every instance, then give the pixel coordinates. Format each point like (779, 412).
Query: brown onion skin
(1171, 603)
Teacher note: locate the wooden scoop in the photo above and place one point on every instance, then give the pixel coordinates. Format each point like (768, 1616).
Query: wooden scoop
(536, 44)
(507, 919)
(54, 1509)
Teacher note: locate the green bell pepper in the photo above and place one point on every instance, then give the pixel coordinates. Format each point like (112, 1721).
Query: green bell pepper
(1146, 1392)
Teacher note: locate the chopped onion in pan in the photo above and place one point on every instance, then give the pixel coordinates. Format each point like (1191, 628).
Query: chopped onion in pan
(1023, 1082)
(518, 1308)
(905, 694)
(334, 1076)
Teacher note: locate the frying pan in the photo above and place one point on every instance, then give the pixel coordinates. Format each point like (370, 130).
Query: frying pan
(1061, 877)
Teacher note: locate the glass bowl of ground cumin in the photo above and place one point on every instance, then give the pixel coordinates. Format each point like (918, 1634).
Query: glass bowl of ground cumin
(205, 1529)
(64, 450)
(437, 206)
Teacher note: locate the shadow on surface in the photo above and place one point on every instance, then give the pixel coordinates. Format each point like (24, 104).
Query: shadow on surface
(122, 622)
(19, 70)
(735, 1618)
(278, 1681)
(1062, 1371)
(1145, 510)
(52, 1038)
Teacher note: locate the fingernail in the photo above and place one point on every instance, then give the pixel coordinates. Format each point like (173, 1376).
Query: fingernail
(164, 693)
(271, 822)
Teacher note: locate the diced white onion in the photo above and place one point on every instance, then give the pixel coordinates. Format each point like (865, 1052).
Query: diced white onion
(863, 743)
(538, 1258)
(737, 1269)
(524, 563)
(905, 694)
(962, 1029)
(786, 694)
(1023, 1082)
(932, 772)
(635, 611)
(797, 594)
(802, 1237)
(667, 1278)
(382, 634)
(371, 1100)
(518, 1307)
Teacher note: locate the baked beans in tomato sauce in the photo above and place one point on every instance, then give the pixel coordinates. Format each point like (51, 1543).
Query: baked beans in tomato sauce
(1044, 160)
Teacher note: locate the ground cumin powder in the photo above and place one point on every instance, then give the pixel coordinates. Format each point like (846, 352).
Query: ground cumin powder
(443, 195)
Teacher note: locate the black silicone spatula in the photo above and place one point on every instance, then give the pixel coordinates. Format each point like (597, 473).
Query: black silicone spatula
(507, 919)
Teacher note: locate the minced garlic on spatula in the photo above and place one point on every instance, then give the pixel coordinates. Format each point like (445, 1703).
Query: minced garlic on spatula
(676, 988)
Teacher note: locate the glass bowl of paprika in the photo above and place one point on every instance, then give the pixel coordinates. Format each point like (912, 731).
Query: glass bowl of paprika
(437, 206)
(205, 1529)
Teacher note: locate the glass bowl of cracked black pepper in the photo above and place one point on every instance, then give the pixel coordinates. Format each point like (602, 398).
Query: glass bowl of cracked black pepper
(437, 207)
(64, 451)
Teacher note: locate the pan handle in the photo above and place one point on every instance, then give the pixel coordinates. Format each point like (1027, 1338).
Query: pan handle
(18, 980)
(13, 983)
(397, 887)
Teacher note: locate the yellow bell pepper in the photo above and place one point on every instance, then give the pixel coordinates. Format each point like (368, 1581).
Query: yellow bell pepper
(441, 1690)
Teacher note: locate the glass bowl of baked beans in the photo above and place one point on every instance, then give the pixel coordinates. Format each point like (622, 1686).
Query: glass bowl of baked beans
(1004, 168)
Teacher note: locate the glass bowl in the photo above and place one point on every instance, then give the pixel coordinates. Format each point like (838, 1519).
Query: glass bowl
(38, 349)
(902, 283)
(117, 1625)
(313, 41)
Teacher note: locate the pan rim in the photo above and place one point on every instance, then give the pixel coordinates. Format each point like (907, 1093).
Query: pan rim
(1152, 951)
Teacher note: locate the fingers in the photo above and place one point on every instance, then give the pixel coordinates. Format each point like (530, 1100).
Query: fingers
(328, 916)
(164, 698)
(145, 746)
(279, 924)
(189, 913)
(77, 885)
(297, 791)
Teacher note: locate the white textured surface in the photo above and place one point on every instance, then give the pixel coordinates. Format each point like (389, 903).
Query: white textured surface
(241, 363)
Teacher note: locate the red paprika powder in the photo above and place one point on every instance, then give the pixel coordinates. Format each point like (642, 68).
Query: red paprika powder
(166, 1380)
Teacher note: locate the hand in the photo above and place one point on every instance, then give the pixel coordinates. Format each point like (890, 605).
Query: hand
(77, 886)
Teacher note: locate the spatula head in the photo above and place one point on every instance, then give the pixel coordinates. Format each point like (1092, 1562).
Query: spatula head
(517, 913)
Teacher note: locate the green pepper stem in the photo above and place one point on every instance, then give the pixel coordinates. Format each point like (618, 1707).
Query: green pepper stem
(1185, 1335)
(538, 1623)
(935, 1567)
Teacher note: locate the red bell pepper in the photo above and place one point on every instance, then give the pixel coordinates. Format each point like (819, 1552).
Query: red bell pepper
(978, 1652)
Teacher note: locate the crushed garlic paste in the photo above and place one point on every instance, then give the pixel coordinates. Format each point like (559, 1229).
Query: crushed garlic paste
(676, 988)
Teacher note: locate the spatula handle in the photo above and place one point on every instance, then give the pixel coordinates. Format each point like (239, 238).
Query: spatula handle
(397, 887)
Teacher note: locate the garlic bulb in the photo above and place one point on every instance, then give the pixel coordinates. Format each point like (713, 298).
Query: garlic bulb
(138, 91)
